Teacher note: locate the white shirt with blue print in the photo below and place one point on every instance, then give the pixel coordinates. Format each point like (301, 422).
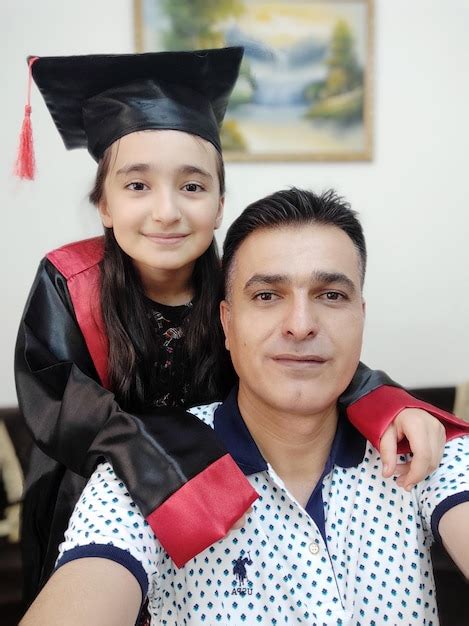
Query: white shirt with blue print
(357, 554)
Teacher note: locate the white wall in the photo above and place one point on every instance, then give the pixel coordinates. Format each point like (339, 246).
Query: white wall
(413, 197)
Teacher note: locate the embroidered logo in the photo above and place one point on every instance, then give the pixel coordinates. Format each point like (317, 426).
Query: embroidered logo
(242, 584)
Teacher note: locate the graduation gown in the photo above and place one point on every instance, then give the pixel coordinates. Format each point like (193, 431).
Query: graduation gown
(186, 485)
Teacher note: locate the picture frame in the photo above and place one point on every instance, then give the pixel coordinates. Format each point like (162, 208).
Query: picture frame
(305, 86)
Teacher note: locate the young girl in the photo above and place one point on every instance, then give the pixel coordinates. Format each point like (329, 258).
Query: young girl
(121, 332)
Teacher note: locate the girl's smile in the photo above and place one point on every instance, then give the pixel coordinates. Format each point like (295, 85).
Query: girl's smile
(170, 239)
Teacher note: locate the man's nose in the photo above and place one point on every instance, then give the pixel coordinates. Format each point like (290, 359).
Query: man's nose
(301, 319)
(165, 208)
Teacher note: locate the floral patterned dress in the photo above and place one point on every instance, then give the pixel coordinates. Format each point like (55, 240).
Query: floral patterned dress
(169, 371)
(169, 378)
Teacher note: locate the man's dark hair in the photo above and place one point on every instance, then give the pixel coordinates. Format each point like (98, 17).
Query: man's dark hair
(292, 207)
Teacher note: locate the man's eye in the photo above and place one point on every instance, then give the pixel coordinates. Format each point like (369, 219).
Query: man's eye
(334, 296)
(193, 187)
(137, 187)
(265, 296)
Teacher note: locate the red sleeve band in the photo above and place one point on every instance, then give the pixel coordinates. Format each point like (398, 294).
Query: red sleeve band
(203, 510)
(373, 413)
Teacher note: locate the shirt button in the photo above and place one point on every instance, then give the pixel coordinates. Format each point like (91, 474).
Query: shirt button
(314, 547)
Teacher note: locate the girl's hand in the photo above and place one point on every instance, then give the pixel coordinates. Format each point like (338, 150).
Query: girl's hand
(427, 438)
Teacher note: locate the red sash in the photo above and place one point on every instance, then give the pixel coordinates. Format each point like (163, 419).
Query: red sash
(79, 264)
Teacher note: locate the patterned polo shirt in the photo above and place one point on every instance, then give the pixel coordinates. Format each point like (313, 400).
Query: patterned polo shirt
(357, 554)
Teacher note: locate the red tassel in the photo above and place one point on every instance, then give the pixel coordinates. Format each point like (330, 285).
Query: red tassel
(25, 166)
(25, 163)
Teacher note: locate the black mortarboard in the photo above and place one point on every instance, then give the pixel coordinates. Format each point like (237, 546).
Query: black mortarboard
(96, 99)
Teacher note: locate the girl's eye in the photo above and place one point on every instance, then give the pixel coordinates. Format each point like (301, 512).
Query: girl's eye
(136, 187)
(193, 187)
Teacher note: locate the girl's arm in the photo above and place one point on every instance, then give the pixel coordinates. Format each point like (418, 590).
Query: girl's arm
(172, 464)
(386, 414)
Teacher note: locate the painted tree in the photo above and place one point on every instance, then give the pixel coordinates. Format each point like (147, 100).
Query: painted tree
(344, 71)
(194, 22)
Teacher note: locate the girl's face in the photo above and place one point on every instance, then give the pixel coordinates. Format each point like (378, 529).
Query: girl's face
(162, 199)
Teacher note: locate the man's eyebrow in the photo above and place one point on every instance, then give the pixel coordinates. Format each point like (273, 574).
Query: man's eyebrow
(138, 168)
(319, 276)
(329, 278)
(266, 279)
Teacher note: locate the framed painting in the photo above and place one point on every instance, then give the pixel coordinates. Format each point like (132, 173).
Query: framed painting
(304, 90)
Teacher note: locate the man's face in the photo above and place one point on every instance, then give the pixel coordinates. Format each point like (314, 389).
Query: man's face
(294, 317)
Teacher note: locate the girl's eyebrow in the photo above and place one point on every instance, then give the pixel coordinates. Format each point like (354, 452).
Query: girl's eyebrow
(133, 167)
(194, 169)
(140, 168)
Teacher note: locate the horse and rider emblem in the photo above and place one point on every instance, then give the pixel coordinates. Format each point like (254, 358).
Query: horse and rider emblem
(241, 575)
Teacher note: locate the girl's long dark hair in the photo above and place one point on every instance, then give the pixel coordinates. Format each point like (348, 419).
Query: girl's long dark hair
(132, 346)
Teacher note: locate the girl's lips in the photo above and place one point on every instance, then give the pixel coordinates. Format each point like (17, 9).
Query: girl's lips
(166, 239)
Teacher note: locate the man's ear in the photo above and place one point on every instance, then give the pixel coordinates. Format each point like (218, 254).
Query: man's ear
(219, 217)
(104, 214)
(225, 318)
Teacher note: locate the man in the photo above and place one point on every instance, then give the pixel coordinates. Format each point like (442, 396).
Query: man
(329, 541)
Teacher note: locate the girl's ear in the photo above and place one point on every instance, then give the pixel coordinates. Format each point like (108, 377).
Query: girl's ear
(104, 213)
(219, 216)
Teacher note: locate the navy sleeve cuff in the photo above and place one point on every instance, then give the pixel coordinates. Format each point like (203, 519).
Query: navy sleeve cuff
(444, 506)
(106, 551)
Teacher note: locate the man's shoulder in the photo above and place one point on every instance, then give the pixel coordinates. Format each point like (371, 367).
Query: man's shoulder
(205, 412)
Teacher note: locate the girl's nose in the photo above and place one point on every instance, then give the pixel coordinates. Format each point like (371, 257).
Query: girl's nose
(165, 208)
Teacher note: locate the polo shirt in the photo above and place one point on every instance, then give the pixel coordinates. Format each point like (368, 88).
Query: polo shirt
(357, 554)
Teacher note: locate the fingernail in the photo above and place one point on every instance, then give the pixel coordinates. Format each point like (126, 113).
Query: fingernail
(385, 468)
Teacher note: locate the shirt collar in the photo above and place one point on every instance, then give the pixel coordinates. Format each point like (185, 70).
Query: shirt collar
(233, 432)
(348, 446)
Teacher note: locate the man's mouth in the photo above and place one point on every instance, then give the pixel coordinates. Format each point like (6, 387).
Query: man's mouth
(299, 360)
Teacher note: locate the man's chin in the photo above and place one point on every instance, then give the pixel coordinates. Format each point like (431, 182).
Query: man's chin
(302, 402)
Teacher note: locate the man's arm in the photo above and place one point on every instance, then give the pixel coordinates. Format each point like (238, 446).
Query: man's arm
(91, 591)
(107, 561)
(443, 502)
(454, 533)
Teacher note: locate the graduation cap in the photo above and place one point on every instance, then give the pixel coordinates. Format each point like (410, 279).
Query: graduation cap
(96, 99)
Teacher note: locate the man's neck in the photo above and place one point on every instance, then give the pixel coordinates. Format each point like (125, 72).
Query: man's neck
(296, 446)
